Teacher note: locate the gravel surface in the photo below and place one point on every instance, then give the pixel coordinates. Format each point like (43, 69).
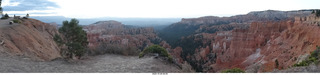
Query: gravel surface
(102, 63)
(5, 22)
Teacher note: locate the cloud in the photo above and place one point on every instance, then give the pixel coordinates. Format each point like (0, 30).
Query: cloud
(24, 5)
(173, 8)
(151, 8)
(9, 3)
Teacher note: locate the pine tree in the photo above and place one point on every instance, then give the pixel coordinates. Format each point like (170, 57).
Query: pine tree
(1, 10)
(317, 13)
(27, 15)
(74, 38)
(6, 15)
(277, 63)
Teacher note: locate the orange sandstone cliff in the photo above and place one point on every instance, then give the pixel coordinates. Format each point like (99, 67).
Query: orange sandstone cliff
(115, 33)
(257, 48)
(30, 38)
(252, 42)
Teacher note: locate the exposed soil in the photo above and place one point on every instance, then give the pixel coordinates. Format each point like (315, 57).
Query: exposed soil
(102, 63)
(5, 22)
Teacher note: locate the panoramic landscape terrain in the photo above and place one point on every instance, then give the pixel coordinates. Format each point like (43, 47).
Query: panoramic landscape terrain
(273, 41)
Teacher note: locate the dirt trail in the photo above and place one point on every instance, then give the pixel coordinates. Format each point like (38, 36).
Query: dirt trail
(5, 22)
(102, 63)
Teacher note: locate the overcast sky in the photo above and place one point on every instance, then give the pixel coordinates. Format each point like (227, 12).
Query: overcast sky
(150, 8)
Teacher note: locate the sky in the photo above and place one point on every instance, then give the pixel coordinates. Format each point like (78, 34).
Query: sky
(150, 8)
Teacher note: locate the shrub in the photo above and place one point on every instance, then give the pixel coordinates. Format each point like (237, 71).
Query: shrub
(6, 16)
(277, 63)
(315, 53)
(234, 70)
(313, 58)
(170, 58)
(156, 49)
(141, 54)
(316, 12)
(16, 21)
(303, 63)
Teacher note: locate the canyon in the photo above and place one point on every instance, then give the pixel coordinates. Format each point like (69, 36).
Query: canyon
(260, 41)
(107, 33)
(251, 42)
(256, 49)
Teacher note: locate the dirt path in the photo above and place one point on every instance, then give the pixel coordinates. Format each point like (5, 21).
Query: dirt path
(102, 63)
(5, 22)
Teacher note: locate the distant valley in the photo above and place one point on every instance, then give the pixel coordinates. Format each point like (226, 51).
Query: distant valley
(143, 22)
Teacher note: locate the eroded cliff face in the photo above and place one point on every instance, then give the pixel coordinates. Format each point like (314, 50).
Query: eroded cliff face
(242, 47)
(174, 52)
(188, 27)
(251, 42)
(257, 48)
(115, 33)
(31, 38)
(247, 18)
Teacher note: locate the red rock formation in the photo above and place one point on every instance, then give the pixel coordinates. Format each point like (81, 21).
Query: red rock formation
(242, 46)
(113, 32)
(264, 42)
(31, 38)
(248, 18)
(175, 53)
(251, 43)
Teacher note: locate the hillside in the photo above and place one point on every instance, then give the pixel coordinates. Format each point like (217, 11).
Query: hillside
(30, 38)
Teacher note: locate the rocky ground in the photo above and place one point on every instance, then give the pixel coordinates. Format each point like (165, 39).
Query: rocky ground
(103, 63)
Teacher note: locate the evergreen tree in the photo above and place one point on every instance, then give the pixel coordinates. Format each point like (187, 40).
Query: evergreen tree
(1, 10)
(27, 15)
(156, 49)
(277, 63)
(6, 15)
(74, 38)
(317, 13)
